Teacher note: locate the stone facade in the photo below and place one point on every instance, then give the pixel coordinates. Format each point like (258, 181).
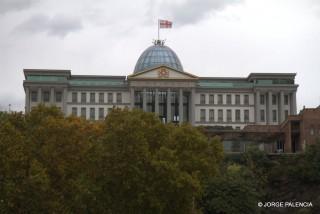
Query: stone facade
(176, 96)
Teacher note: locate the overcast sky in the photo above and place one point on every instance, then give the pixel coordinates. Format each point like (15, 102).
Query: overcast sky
(218, 38)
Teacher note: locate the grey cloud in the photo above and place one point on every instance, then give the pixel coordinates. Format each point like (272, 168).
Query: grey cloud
(58, 25)
(11, 5)
(192, 11)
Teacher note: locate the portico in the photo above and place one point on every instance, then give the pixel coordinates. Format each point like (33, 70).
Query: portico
(164, 91)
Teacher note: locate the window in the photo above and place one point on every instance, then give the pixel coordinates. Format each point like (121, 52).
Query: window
(92, 97)
(119, 98)
(286, 99)
(74, 111)
(101, 97)
(110, 97)
(220, 99)
(202, 99)
(92, 114)
(246, 115)
(58, 96)
(274, 115)
(238, 99)
(211, 99)
(84, 113)
(311, 131)
(262, 99)
(246, 99)
(220, 115)
(101, 113)
(286, 113)
(274, 99)
(229, 115)
(34, 96)
(46, 96)
(202, 115)
(238, 115)
(280, 146)
(229, 99)
(83, 97)
(211, 115)
(262, 116)
(109, 110)
(74, 97)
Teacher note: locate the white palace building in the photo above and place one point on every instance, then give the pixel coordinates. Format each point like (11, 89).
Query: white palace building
(159, 84)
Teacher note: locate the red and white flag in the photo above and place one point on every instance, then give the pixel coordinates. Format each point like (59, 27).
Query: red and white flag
(165, 24)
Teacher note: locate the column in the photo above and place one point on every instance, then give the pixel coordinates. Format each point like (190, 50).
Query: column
(192, 106)
(52, 96)
(281, 103)
(256, 107)
(269, 108)
(180, 106)
(39, 95)
(168, 106)
(64, 100)
(156, 103)
(27, 104)
(131, 98)
(144, 99)
(293, 104)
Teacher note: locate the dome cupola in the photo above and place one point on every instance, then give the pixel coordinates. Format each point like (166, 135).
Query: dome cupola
(157, 55)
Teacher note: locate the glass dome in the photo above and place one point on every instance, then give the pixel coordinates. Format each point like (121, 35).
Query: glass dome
(157, 55)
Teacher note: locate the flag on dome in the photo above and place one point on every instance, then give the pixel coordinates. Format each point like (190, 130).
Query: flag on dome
(165, 24)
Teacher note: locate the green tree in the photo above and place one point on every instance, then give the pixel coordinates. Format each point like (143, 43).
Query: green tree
(234, 191)
(150, 167)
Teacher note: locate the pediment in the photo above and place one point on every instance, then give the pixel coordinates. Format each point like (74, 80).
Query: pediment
(162, 72)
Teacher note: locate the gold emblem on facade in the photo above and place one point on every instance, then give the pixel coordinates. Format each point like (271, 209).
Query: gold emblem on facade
(163, 73)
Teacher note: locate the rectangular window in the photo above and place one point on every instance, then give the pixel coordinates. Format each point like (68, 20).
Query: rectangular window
(83, 97)
(101, 97)
(34, 96)
(84, 113)
(229, 115)
(246, 116)
(211, 99)
(237, 99)
(262, 101)
(58, 96)
(119, 98)
(286, 99)
(74, 97)
(220, 115)
(274, 115)
(74, 111)
(246, 99)
(92, 114)
(274, 99)
(211, 115)
(101, 113)
(202, 99)
(46, 96)
(229, 99)
(110, 97)
(262, 116)
(220, 99)
(238, 115)
(286, 113)
(92, 97)
(202, 115)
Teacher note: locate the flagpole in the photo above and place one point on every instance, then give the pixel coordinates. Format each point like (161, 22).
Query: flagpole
(158, 29)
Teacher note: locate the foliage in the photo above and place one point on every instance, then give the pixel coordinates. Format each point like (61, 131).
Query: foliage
(234, 191)
(131, 162)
